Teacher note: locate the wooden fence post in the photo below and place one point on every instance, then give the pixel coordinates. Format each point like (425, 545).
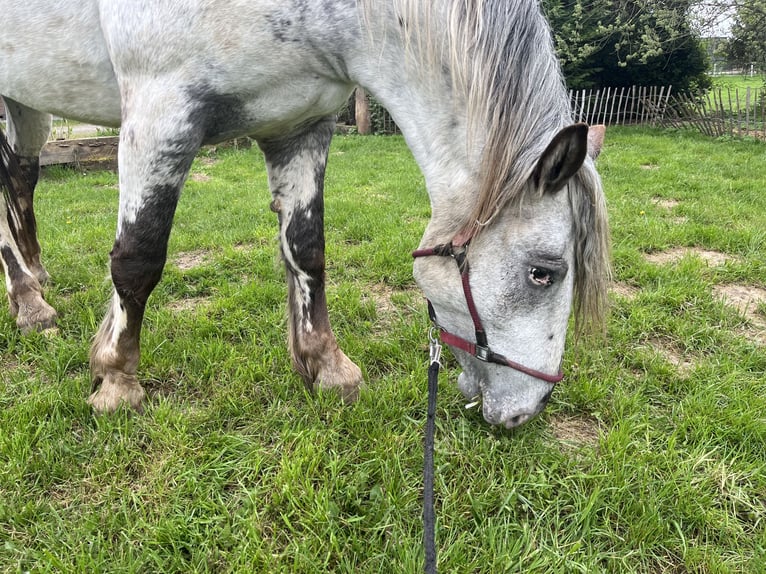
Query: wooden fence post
(362, 107)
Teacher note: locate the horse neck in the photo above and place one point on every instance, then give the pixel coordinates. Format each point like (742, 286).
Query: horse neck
(434, 127)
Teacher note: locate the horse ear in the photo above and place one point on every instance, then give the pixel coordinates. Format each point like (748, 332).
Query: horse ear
(595, 140)
(562, 158)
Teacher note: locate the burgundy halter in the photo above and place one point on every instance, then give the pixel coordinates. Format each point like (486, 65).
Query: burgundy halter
(458, 249)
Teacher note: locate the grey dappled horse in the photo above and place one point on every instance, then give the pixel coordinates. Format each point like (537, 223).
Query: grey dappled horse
(473, 84)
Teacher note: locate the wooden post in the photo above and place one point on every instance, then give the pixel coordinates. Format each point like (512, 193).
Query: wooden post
(362, 108)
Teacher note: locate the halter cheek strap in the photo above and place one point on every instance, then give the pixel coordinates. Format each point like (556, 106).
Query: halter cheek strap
(458, 249)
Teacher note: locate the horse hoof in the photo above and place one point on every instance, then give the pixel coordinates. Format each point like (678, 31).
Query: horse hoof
(41, 320)
(115, 391)
(43, 277)
(345, 381)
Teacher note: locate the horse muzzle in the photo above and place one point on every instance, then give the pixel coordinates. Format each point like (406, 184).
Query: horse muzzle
(506, 403)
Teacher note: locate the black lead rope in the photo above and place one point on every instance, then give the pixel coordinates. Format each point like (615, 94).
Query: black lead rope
(429, 516)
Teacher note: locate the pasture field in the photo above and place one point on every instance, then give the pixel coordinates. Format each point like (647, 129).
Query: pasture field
(739, 81)
(651, 456)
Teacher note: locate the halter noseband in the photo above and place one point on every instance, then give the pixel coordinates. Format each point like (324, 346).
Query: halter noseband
(458, 249)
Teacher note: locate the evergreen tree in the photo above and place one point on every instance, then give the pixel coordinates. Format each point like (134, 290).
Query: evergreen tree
(625, 42)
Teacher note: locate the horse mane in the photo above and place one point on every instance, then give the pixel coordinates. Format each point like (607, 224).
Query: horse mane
(503, 66)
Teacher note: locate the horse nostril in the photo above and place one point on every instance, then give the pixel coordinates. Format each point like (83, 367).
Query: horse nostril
(513, 421)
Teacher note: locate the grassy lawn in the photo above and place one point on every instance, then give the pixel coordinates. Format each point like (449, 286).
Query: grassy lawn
(650, 458)
(741, 82)
(738, 100)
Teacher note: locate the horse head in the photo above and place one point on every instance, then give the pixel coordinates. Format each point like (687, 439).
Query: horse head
(504, 307)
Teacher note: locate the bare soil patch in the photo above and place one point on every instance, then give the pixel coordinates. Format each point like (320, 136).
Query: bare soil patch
(665, 203)
(207, 160)
(200, 177)
(191, 259)
(575, 431)
(712, 258)
(624, 290)
(188, 304)
(672, 354)
(746, 300)
(382, 295)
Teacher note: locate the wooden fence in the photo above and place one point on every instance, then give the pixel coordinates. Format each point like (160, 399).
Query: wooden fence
(720, 112)
(621, 106)
(645, 105)
(717, 112)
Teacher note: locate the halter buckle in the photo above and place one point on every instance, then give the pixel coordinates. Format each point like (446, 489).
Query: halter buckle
(483, 353)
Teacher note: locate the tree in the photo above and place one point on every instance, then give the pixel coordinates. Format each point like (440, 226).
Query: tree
(626, 42)
(747, 44)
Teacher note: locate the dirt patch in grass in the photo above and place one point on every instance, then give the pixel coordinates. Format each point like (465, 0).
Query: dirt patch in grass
(672, 354)
(624, 290)
(575, 432)
(207, 160)
(712, 258)
(665, 203)
(9, 364)
(188, 304)
(381, 295)
(746, 300)
(191, 259)
(384, 298)
(200, 177)
(391, 304)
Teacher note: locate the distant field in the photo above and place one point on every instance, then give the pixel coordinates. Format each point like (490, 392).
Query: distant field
(756, 81)
(651, 457)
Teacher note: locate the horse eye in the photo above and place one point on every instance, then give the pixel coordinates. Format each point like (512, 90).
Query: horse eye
(540, 276)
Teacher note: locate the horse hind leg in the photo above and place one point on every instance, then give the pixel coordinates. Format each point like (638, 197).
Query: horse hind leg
(296, 166)
(23, 278)
(28, 130)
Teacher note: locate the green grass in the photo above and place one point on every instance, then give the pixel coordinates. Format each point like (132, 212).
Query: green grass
(741, 82)
(637, 465)
(738, 100)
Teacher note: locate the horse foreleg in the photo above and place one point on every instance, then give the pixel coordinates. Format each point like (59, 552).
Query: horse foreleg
(137, 260)
(296, 166)
(154, 160)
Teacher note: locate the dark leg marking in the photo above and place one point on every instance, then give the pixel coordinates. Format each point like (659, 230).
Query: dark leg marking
(26, 235)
